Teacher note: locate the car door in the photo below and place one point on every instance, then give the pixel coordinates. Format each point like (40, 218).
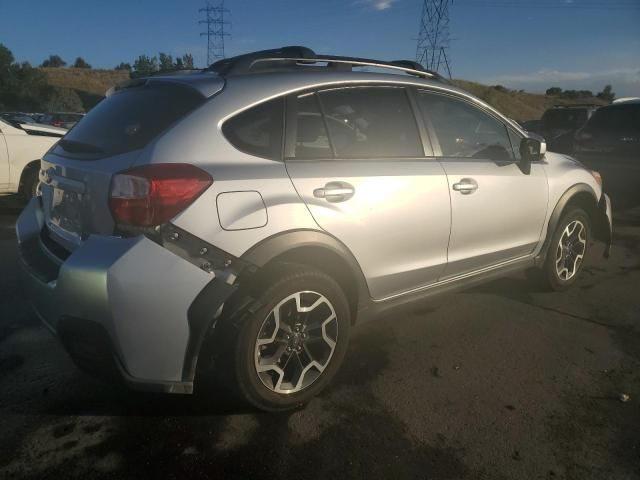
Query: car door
(497, 211)
(4, 161)
(356, 158)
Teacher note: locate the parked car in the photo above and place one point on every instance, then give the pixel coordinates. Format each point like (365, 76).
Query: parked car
(62, 119)
(17, 117)
(21, 148)
(610, 141)
(559, 124)
(231, 226)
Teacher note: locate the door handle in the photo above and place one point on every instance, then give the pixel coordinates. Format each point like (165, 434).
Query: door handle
(466, 186)
(335, 192)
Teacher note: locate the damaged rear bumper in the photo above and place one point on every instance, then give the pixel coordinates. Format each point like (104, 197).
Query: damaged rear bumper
(124, 306)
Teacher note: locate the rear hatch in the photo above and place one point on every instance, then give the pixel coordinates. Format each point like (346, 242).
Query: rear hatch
(76, 173)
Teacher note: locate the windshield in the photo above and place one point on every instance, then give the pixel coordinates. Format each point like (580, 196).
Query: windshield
(129, 119)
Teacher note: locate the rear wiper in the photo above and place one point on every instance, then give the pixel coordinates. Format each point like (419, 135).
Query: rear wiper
(79, 147)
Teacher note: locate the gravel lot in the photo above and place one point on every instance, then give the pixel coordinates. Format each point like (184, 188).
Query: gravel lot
(499, 382)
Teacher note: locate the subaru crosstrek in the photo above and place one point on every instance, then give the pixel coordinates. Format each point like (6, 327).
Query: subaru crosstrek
(233, 224)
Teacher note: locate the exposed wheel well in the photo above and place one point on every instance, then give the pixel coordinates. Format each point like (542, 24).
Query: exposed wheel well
(28, 168)
(326, 261)
(586, 202)
(578, 196)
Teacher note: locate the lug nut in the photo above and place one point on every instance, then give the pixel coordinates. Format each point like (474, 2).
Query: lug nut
(288, 349)
(203, 250)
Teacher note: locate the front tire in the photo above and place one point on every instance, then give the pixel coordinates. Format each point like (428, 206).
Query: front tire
(567, 250)
(286, 344)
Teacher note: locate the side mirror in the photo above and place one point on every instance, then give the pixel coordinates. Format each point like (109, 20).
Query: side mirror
(531, 150)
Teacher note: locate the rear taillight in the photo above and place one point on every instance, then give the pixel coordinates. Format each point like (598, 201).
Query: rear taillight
(153, 194)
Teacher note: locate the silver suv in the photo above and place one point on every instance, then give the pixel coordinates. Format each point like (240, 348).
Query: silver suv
(233, 224)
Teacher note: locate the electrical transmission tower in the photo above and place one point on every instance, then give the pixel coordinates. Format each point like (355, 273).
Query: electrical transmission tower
(215, 22)
(433, 39)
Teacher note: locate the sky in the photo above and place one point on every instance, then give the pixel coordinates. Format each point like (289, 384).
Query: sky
(522, 44)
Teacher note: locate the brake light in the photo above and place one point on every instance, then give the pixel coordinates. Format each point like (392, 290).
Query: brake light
(153, 194)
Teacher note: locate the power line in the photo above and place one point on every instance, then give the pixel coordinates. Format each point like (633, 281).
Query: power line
(215, 22)
(433, 36)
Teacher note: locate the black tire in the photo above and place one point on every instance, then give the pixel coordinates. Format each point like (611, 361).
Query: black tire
(30, 183)
(552, 280)
(235, 360)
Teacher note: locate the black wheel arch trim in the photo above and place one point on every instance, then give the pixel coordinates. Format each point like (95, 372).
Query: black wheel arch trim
(281, 243)
(201, 314)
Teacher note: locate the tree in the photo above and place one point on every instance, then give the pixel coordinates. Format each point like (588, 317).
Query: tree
(54, 61)
(607, 94)
(166, 62)
(81, 63)
(22, 87)
(179, 65)
(123, 66)
(553, 91)
(145, 65)
(187, 61)
(6, 59)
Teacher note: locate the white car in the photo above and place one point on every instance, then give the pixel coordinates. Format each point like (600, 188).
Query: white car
(21, 148)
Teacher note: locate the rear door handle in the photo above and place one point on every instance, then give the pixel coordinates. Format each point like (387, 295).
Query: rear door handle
(335, 192)
(466, 186)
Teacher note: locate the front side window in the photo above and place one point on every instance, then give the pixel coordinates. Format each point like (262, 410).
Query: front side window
(370, 122)
(464, 131)
(258, 130)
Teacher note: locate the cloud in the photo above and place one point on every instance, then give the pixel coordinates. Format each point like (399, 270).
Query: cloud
(624, 80)
(379, 4)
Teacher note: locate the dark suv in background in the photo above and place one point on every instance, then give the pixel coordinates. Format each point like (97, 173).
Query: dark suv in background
(559, 124)
(610, 141)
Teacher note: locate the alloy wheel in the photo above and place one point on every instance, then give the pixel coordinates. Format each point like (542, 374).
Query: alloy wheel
(570, 250)
(296, 342)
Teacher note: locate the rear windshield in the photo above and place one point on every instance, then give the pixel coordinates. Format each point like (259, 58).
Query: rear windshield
(569, 118)
(616, 119)
(129, 119)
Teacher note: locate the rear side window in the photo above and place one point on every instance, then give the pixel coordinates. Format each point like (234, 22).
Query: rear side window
(616, 119)
(258, 131)
(129, 119)
(371, 122)
(465, 131)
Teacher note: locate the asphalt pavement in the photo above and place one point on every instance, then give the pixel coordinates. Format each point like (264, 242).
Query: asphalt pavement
(499, 382)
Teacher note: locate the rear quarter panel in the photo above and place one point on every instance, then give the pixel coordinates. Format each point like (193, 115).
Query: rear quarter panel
(198, 140)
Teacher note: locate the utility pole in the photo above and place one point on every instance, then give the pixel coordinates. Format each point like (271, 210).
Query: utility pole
(215, 22)
(433, 38)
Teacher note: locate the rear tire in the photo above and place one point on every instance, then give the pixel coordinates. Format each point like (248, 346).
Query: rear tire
(280, 365)
(567, 250)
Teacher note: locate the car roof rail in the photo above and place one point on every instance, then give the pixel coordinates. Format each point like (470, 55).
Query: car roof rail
(298, 58)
